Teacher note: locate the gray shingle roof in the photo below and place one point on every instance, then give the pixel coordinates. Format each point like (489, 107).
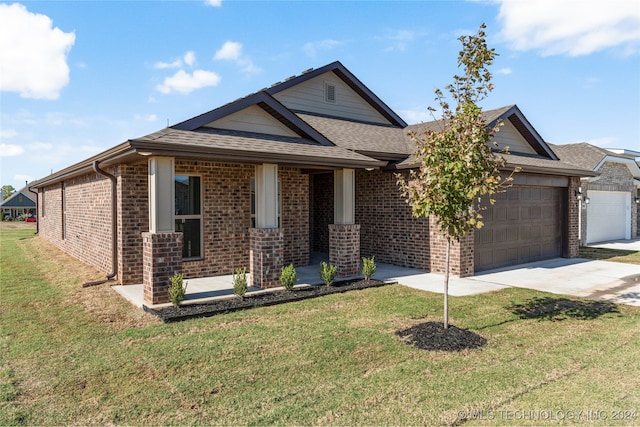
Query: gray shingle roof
(358, 136)
(582, 154)
(252, 147)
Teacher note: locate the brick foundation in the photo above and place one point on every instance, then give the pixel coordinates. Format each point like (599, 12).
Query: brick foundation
(266, 256)
(344, 249)
(162, 258)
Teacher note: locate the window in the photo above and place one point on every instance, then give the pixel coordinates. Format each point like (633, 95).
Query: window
(253, 203)
(188, 214)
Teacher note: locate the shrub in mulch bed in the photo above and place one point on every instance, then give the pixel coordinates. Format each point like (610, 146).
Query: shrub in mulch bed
(190, 311)
(432, 336)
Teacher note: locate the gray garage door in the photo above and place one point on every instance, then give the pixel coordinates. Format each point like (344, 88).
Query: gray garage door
(524, 225)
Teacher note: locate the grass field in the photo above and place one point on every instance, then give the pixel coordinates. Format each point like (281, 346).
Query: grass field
(615, 255)
(86, 357)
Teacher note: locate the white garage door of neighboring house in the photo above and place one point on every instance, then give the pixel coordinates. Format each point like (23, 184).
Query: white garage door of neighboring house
(608, 216)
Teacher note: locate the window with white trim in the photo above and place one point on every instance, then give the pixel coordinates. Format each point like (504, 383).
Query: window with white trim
(188, 214)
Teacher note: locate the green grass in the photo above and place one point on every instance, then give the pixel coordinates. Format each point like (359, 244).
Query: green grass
(615, 255)
(82, 356)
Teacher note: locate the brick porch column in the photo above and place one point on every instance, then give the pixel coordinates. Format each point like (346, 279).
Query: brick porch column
(266, 241)
(266, 256)
(161, 259)
(344, 248)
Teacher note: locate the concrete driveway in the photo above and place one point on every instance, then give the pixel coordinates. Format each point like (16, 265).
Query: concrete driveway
(601, 280)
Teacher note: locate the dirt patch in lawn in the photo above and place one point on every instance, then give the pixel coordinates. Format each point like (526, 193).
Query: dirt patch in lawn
(190, 311)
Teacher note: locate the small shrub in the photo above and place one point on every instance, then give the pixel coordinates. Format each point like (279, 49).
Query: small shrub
(177, 290)
(368, 267)
(288, 277)
(327, 273)
(240, 282)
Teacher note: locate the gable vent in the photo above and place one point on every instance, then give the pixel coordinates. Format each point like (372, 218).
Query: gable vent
(329, 93)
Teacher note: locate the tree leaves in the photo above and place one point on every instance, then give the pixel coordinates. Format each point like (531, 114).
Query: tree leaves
(457, 166)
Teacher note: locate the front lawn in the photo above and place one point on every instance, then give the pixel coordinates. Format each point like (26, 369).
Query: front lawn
(83, 356)
(615, 255)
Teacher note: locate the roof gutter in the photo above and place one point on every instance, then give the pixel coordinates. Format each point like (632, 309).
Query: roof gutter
(114, 219)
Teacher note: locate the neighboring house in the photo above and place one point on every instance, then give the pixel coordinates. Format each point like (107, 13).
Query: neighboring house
(306, 165)
(609, 206)
(21, 202)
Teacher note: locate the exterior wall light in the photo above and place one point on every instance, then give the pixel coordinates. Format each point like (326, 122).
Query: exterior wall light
(579, 195)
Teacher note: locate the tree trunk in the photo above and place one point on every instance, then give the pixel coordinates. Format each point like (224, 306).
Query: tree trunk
(446, 286)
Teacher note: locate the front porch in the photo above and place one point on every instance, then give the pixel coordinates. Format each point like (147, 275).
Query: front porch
(207, 289)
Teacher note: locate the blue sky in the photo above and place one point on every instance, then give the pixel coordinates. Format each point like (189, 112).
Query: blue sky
(78, 77)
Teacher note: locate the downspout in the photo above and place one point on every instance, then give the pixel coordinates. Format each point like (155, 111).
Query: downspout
(37, 209)
(114, 220)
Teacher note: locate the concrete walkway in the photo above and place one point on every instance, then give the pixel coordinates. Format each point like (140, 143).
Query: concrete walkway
(603, 280)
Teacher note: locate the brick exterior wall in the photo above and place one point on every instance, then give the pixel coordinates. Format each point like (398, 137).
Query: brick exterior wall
(133, 220)
(461, 256)
(83, 230)
(387, 228)
(266, 256)
(613, 177)
(162, 258)
(226, 217)
(344, 249)
(294, 217)
(573, 212)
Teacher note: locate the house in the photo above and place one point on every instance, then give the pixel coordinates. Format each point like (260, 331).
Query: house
(609, 200)
(306, 165)
(21, 202)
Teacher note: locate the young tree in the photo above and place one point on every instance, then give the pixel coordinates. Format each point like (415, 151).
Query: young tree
(7, 190)
(457, 165)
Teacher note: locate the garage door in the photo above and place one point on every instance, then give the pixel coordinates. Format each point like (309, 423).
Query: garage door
(608, 216)
(524, 225)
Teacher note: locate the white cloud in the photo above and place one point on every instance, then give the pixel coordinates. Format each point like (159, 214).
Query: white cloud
(214, 3)
(400, 39)
(183, 82)
(504, 71)
(312, 48)
(23, 178)
(563, 27)
(162, 65)
(190, 58)
(7, 133)
(10, 150)
(33, 54)
(232, 51)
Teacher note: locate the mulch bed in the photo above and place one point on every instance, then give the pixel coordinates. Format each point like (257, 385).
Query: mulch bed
(433, 336)
(190, 311)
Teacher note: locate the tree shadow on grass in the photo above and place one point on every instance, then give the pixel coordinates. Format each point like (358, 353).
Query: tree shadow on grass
(433, 337)
(555, 309)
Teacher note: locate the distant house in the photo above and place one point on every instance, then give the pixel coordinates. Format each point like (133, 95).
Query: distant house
(306, 165)
(609, 200)
(21, 202)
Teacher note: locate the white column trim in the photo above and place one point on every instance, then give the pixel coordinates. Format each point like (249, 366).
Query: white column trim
(161, 171)
(267, 195)
(344, 196)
